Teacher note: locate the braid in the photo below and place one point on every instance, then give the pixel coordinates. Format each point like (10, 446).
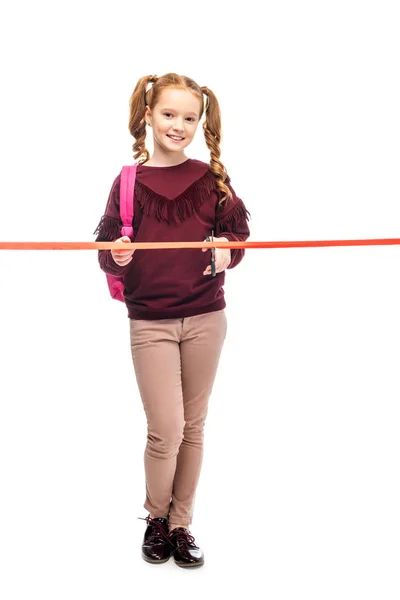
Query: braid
(137, 123)
(212, 134)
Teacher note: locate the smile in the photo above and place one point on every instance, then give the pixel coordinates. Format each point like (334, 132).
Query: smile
(175, 138)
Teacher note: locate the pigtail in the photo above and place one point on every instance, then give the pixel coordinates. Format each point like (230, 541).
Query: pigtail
(212, 134)
(137, 122)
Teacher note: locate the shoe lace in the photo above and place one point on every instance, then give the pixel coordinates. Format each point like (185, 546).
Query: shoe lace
(158, 532)
(181, 536)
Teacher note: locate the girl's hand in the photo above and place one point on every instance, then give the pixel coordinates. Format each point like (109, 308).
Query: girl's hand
(122, 257)
(222, 256)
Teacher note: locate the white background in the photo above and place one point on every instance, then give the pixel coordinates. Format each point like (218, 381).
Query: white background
(299, 491)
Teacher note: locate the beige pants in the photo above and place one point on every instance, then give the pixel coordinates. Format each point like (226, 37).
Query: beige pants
(175, 363)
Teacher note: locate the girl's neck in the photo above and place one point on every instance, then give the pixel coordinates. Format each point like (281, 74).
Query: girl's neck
(159, 159)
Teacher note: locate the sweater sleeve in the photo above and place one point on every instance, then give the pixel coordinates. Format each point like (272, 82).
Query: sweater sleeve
(109, 230)
(231, 222)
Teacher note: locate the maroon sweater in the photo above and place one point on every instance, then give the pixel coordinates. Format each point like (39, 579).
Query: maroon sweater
(173, 204)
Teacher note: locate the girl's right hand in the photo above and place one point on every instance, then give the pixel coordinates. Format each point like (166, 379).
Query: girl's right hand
(122, 257)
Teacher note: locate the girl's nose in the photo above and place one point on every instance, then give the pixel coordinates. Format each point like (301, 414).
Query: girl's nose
(178, 126)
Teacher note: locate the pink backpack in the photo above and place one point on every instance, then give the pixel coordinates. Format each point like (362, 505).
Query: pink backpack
(126, 196)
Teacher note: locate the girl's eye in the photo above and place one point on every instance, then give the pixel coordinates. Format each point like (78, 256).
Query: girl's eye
(170, 115)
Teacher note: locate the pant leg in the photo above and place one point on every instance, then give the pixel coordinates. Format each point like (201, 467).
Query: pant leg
(157, 363)
(201, 346)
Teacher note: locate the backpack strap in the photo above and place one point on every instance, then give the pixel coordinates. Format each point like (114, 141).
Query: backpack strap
(126, 198)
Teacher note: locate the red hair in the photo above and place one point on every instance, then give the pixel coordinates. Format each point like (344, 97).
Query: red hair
(211, 126)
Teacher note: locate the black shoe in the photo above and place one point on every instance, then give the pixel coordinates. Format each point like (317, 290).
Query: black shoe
(156, 547)
(186, 553)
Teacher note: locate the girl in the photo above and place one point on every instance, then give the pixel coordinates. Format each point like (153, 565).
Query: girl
(175, 306)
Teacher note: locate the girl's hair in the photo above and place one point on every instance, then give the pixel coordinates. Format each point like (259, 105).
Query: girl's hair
(211, 126)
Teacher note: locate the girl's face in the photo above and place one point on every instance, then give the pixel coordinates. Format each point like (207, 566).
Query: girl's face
(174, 119)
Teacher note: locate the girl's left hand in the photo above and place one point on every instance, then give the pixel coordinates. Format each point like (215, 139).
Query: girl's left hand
(222, 256)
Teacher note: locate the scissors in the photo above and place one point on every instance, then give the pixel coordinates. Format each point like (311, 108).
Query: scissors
(210, 239)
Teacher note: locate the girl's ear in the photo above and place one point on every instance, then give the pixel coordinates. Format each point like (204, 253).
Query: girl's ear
(147, 116)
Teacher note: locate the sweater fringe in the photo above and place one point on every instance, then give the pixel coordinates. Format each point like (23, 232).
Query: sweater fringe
(180, 208)
(108, 229)
(232, 220)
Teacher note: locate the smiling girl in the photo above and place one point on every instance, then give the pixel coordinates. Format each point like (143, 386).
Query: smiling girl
(176, 309)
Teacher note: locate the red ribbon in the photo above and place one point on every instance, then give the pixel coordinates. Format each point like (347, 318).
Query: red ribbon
(164, 245)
